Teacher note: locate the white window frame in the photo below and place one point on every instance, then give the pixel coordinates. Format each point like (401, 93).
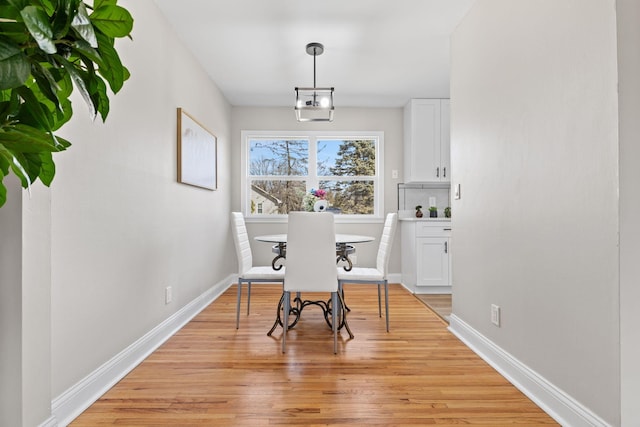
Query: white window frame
(312, 178)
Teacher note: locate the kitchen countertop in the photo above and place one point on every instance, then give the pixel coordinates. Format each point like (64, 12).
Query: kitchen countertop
(424, 219)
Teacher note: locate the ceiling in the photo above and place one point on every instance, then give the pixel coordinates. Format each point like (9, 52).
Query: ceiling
(378, 53)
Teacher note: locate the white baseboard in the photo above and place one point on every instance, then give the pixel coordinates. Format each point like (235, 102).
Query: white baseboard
(394, 278)
(71, 403)
(555, 402)
(50, 422)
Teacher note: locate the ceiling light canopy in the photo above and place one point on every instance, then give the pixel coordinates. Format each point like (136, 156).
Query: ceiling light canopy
(314, 104)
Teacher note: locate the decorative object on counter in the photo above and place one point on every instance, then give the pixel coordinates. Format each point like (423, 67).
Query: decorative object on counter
(433, 212)
(447, 212)
(314, 200)
(418, 211)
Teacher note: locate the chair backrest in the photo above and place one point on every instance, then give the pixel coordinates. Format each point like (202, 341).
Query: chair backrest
(241, 239)
(386, 242)
(311, 253)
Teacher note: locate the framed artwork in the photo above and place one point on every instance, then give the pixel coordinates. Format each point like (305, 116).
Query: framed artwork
(197, 153)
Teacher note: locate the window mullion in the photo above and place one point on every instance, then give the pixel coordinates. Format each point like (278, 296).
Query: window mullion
(312, 181)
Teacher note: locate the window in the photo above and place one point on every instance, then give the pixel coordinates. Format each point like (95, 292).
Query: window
(280, 168)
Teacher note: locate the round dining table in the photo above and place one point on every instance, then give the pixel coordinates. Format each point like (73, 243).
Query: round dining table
(344, 247)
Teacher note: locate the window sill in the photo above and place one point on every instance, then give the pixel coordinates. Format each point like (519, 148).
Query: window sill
(339, 219)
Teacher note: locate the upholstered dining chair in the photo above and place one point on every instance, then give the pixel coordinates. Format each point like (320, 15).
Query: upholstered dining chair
(378, 274)
(247, 272)
(311, 264)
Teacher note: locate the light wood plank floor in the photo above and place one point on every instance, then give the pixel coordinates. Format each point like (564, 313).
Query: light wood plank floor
(440, 303)
(210, 374)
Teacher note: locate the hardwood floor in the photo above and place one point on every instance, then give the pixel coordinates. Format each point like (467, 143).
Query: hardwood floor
(211, 374)
(439, 303)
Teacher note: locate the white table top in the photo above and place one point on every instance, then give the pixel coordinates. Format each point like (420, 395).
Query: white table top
(340, 238)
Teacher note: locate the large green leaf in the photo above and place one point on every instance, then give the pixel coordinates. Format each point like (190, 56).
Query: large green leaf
(81, 47)
(17, 163)
(35, 109)
(112, 20)
(62, 17)
(47, 168)
(18, 4)
(14, 65)
(99, 3)
(46, 83)
(14, 30)
(78, 81)
(111, 68)
(26, 139)
(82, 25)
(3, 194)
(100, 98)
(37, 22)
(9, 12)
(4, 170)
(4, 163)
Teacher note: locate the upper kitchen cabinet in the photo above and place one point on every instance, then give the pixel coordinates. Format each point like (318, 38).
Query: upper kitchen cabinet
(427, 153)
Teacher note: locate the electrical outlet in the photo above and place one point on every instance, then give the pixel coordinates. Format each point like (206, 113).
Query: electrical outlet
(394, 174)
(168, 295)
(495, 314)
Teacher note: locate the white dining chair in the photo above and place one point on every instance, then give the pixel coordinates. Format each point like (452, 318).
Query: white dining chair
(247, 272)
(378, 274)
(311, 264)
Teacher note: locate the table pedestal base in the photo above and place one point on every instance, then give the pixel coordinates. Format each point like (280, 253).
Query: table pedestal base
(299, 305)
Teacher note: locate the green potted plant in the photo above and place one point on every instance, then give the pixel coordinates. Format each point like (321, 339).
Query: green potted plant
(447, 212)
(418, 211)
(433, 212)
(48, 48)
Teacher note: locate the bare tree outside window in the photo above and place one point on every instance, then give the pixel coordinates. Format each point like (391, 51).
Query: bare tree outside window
(273, 158)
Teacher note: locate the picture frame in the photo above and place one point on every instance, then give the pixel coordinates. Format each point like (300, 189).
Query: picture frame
(197, 153)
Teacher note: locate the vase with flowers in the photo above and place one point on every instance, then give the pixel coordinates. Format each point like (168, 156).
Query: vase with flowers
(315, 201)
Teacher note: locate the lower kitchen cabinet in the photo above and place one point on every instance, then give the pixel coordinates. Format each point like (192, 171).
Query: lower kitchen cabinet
(432, 261)
(426, 256)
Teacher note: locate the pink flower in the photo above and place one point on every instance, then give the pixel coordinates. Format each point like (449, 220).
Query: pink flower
(320, 194)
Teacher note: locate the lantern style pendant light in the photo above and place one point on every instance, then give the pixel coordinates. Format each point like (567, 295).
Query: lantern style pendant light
(314, 104)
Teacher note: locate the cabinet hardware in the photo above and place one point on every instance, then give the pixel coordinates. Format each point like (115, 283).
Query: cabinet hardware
(446, 247)
(444, 171)
(446, 229)
(437, 172)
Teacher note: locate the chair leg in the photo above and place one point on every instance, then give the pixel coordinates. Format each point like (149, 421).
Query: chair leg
(379, 304)
(248, 296)
(334, 320)
(285, 320)
(238, 304)
(386, 302)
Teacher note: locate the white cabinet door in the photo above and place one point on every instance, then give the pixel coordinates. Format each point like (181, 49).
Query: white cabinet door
(432, 259)
(445, 141)
(426, 145)
(422, 140)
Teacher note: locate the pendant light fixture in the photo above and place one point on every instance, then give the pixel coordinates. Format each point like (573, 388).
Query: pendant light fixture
(314, 104)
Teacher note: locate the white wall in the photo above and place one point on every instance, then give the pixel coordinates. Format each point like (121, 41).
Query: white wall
(387, 120)
(11, 305)
(122, 227)
(25, 305)
(628, 14)
(535, 149)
